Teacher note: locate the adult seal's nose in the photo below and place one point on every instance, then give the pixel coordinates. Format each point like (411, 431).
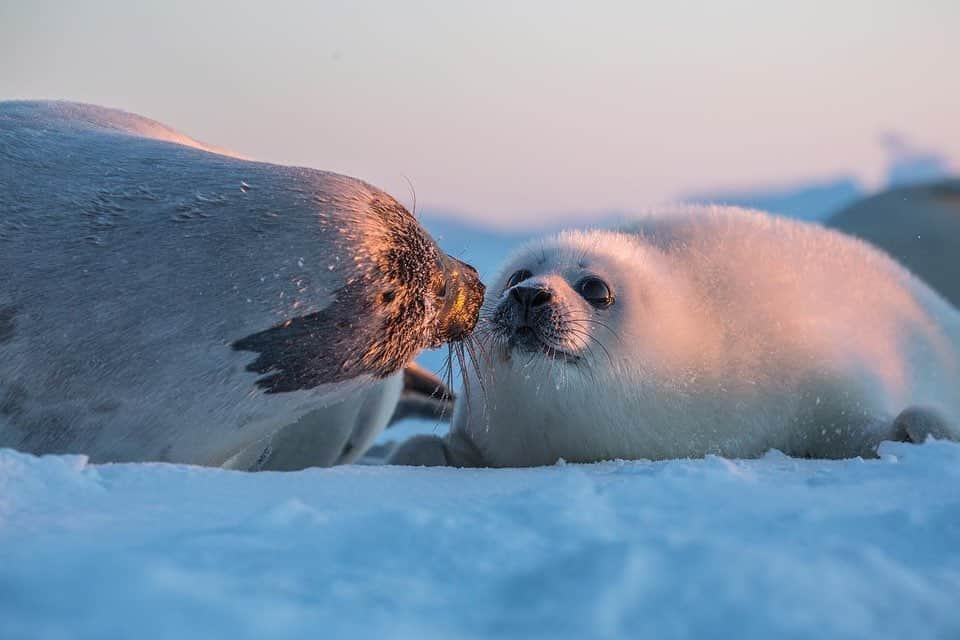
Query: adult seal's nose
(531, 297)
(463, 295)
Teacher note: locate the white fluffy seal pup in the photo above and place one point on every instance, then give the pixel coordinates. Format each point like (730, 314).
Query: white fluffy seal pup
(702, 331)
(919, 225)
(160, 301)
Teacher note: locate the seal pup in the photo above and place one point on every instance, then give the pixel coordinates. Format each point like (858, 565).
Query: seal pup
(164, 302)
(702, 331)
(918, 225)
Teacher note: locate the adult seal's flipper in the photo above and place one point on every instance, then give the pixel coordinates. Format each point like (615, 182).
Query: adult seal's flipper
(424, 396)
(305, 352)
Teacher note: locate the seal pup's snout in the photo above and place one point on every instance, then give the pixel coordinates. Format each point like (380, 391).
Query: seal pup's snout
(532, 318)
(528, 306)
(524, 338)
(531, 297)
(527, 315)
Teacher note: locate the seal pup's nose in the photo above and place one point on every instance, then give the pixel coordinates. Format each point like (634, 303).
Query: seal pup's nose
(530, 297)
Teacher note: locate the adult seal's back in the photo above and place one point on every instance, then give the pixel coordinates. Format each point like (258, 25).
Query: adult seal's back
(162, 300)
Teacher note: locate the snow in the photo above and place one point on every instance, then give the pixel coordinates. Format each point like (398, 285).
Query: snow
(775, 547)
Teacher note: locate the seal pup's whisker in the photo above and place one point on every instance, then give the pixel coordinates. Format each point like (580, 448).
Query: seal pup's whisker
(474, 348)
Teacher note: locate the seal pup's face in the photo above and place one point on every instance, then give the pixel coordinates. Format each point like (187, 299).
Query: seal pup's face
(602, 303)
(583, 336)
(559, 301)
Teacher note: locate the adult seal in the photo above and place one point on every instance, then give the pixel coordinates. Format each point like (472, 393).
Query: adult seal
(163, 300)
(702, 331)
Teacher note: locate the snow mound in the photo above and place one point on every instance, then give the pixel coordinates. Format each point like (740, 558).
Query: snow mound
(775, 547)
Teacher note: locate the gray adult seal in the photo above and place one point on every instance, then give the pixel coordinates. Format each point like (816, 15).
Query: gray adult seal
(702, 331)
(919, 225)
(163, 300)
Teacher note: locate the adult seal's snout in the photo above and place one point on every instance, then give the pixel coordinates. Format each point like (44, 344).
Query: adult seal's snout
(461, 295)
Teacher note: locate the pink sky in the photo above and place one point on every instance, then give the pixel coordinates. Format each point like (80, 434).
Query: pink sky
(507, 111)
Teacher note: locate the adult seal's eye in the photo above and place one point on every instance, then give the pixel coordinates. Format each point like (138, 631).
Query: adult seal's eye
(595, 291)
(518, 277)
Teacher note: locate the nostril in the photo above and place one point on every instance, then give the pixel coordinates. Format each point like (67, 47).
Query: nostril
(541, 297)
(530, 297)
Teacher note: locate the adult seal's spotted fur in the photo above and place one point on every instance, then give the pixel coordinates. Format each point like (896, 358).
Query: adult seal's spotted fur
(703, 331)
(163, 300)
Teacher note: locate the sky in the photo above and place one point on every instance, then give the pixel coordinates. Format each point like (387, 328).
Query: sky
(511, 112)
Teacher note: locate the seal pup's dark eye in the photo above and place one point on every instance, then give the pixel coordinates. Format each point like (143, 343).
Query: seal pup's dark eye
(595, 291)
(518, 277)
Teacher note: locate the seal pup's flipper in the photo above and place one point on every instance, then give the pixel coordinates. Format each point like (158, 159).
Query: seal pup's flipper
(424, 396)
(916, 424)
(456, 449)
(421, 451)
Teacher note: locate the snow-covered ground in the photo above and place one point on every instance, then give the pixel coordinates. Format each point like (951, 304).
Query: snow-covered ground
(769, 548)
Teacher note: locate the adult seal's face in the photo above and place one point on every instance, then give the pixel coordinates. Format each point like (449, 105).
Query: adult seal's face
(398, 294)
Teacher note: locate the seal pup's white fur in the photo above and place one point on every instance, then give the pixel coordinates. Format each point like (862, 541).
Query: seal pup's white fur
(731, 332)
